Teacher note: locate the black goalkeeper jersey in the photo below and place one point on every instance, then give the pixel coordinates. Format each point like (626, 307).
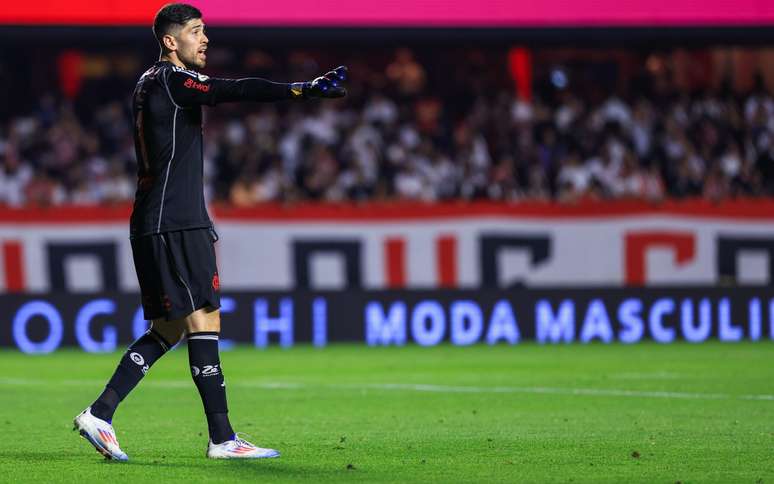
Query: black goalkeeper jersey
(167, 112)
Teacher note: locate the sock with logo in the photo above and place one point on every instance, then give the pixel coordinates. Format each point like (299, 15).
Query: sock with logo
(140, 356)
(208, 377)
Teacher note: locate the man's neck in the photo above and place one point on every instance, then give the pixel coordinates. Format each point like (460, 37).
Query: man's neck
(173, 59)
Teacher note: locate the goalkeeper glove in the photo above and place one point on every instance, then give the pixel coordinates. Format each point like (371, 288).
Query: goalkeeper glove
(329, 85)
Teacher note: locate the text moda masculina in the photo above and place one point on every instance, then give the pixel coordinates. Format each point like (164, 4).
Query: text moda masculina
(429, 322)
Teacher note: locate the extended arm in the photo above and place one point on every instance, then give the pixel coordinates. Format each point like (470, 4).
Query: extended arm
(188, 88)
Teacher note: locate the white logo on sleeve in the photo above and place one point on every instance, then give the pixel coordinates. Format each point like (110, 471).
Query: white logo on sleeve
(195, 371)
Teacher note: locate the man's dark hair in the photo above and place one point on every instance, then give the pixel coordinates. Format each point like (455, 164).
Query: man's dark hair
(173, 15)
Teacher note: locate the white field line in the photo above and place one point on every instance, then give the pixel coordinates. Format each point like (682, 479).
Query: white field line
(418, 387)
(602, 392)
(658, 375)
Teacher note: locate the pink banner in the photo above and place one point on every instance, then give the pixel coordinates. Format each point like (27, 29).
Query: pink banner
(406, 13)
(491, 13)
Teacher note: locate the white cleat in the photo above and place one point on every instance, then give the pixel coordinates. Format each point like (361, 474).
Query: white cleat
(239, 449)
(100, 434)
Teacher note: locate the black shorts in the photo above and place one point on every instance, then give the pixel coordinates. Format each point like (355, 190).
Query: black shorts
(177, 272)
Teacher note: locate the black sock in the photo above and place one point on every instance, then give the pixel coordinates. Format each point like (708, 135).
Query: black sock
(219, 427)
(140, 356)
(208, 377)
(105, 405)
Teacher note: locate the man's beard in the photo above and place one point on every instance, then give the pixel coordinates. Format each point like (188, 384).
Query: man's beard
(193, 62)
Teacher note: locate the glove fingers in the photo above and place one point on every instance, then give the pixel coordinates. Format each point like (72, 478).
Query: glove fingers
(336, 92)
(339, 74)
(330, 84)
(342, 72)
(322, 84)
(332, 79)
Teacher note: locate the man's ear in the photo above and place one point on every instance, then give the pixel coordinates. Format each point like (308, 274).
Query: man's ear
(169, 41)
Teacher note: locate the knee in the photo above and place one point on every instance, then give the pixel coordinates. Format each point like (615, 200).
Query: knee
(206, 319)
(171, 331)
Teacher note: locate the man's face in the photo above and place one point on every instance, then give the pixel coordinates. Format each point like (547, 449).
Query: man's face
(191, 44)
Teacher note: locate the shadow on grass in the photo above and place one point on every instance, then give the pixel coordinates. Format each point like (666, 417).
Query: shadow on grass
(235, 469)
(33, 457)
(250, 468)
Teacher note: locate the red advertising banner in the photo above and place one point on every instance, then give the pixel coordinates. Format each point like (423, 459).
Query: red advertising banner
(414, 246)
(406, 13)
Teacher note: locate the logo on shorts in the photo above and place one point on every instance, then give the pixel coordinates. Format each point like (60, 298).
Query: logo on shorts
(137, 358)
(216, 282)
(195, 371)
(166, 302)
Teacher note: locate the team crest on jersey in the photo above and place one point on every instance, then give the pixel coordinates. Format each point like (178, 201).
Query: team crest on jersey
(200, 77)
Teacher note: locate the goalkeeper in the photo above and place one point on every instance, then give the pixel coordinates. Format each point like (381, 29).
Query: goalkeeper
(171, 233)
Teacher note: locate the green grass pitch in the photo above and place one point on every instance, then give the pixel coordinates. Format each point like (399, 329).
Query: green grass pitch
(526, 413)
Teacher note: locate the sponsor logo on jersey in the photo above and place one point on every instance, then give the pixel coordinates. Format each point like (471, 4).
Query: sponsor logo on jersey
(195, 371)
(216, 282)
(191, 84)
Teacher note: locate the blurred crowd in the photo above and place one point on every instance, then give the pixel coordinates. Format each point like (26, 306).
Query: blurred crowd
(411, 132)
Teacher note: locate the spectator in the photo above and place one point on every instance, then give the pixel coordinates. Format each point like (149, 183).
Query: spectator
(397, 137)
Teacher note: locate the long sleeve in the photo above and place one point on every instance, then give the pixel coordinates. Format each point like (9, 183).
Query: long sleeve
(189, 88)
